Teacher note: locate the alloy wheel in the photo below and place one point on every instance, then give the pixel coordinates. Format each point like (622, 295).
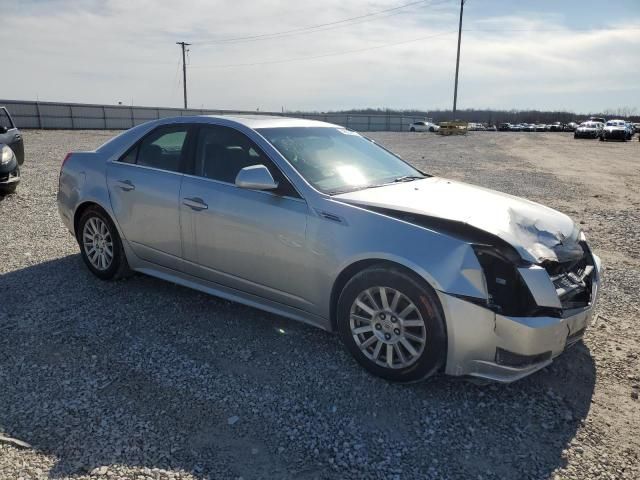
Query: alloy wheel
(97, 243)
(387, 327)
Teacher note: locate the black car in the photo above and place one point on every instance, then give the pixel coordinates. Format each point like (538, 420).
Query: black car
(11, 153)
(504, 127)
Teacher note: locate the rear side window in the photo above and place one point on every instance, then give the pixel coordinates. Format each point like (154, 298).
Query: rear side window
(163, 149)
(5, 121)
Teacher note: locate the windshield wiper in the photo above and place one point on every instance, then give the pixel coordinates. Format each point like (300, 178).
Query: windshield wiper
(404, 178)
(408, 178)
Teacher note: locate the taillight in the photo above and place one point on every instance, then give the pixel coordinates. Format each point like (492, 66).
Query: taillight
(67, 157)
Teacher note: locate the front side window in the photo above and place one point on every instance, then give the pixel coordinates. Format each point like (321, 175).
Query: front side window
(163, 149)
(221, 152)
(336, 160)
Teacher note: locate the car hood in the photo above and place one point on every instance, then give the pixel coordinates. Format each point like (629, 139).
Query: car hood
(537, 232)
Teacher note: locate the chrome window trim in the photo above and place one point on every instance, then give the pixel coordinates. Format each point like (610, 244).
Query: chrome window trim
(220, 182)
(118, 162)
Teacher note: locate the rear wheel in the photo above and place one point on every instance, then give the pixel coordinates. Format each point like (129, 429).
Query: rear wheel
(392, 324)
(412, 129)
(101, 246)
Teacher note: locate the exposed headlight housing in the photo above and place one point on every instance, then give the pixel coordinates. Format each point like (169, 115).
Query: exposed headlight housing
(6, 155)
(508, 293)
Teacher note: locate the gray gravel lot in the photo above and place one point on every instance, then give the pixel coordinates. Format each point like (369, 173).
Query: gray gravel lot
(142, 379)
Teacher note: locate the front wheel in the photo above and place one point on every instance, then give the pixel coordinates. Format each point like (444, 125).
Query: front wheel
(11, 187)
(392, 323)
(101, 246)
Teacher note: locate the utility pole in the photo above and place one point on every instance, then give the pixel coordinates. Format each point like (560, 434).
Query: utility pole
(455, 89)
(184, 69)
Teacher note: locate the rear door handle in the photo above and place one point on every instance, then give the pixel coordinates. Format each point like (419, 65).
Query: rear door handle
(125, 185)
(195, 203)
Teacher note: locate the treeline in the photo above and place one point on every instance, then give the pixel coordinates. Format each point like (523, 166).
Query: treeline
(500, 116)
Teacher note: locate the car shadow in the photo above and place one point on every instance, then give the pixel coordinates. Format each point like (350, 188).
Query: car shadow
(143, 373)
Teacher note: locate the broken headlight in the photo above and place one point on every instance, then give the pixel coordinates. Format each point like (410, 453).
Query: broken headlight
(507, 292)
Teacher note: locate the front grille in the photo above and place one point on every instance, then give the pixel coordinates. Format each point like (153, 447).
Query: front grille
(573, 280)
(616, 134)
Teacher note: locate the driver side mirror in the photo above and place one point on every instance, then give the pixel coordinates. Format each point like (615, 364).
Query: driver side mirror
(3, 129)
(256, 177)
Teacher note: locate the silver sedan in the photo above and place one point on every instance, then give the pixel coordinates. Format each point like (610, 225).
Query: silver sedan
(417, 274)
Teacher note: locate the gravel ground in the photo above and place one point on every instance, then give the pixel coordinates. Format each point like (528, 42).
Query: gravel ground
(142, 379)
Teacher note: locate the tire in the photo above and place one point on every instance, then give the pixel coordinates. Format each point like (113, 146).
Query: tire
(412, 129)
(10, 188)
(431, 129)
(602, 138)
(387, 328)
(98, 227)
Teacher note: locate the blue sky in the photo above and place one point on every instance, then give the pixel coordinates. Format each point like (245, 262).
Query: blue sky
(546, 54)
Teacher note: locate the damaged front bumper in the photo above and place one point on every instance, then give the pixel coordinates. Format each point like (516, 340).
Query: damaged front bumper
(489, 345)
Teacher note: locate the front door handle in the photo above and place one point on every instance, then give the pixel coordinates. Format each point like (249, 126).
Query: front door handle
(125, 185)
(195, 203)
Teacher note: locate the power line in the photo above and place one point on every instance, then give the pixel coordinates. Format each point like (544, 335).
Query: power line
(375, 47)
(320, 26)
(332, 54)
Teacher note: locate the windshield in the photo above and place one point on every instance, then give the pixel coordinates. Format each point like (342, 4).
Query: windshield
(336, 160)
(614, 124)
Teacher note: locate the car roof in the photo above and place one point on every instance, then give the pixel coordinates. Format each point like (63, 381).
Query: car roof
(270, 121)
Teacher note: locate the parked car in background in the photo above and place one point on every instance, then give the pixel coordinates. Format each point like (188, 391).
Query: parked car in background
(556, 127)
(597, 119)
(570, 127)
(491, 128)
(631, 127)
(504, 127)
(588, 130)
(456, 278)
(515, 127)
(11, 153)
(541, 127)
(423, 127)
(616, 130)
(528, 127)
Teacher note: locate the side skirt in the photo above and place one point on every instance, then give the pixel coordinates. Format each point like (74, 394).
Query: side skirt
(227, 293)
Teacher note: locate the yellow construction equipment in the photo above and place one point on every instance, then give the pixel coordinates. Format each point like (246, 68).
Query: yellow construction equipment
(453, 128)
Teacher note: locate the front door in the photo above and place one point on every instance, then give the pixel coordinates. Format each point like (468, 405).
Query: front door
(253, 241)
(144, 186)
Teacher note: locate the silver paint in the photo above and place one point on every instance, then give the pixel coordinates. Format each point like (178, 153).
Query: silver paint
(285, 254)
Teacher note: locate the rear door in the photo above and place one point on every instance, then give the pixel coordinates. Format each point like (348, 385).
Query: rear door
(10, 135)
(144, 186)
